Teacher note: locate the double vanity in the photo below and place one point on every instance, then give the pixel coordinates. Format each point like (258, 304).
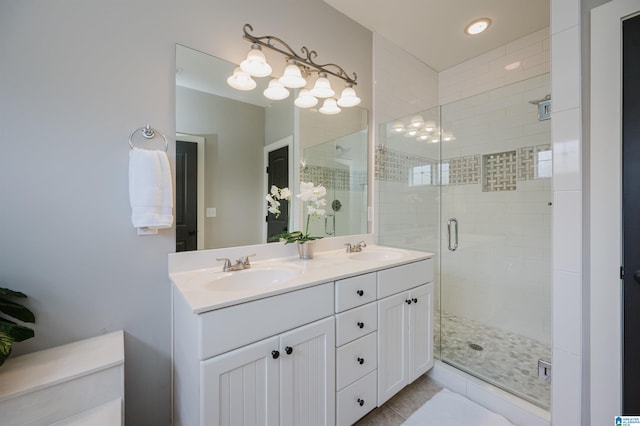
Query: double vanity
(286, 341)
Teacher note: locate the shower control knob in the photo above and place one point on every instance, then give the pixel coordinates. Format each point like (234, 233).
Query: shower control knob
(408, 301)
(415, 300)
(275, 354)
(360, 402)
(360, 361)
(360, 292)
(288, 350)
(360, 324)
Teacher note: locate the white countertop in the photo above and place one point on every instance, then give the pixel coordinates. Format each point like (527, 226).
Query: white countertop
(326, 266)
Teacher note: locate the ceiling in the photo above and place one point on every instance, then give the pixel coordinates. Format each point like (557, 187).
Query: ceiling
(433, 30)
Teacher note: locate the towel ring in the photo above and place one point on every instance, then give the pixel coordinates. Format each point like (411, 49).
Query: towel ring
(148, 133)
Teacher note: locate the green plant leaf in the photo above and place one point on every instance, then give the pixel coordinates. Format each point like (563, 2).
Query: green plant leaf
(6, 341)
(17, 332)
(8, 292)
(16, 310)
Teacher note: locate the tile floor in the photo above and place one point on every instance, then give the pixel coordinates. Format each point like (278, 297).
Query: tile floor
(396, 410)
(502, 358)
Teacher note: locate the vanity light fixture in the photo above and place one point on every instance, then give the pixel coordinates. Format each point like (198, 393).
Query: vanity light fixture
(295, 75)
(477, 26)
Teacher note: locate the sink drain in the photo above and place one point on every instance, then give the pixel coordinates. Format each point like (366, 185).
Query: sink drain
(475, 347)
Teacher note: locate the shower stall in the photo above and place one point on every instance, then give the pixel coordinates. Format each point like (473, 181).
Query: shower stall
(471, 182)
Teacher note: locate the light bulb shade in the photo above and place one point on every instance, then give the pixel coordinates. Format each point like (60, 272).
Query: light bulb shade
(276, 91)
(329, 107)
(416, 121)
(397, 127)
(256, 65)
(322, 88)
(241, 80)
(292, 77)
(348, 98)
(430, 126)
(305, 99)
(422, 136)
(411, 133)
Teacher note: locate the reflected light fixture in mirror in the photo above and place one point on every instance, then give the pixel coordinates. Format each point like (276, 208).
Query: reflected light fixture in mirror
(295, 75)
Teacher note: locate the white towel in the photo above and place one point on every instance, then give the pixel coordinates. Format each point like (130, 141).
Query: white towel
(150, 189)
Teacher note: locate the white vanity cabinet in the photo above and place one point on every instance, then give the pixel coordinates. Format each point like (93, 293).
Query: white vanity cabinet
(270, 361)
(405, 326)
(283, 380)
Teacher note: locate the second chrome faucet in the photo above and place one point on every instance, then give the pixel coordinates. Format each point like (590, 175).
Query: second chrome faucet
(242, 263)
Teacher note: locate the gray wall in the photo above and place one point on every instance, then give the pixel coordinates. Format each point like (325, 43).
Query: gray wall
(234, 151)
(77, 77)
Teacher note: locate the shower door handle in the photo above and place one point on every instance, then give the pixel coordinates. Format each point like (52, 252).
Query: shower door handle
(452, 221)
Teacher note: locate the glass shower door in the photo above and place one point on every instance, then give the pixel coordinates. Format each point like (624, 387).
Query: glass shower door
(495, 238)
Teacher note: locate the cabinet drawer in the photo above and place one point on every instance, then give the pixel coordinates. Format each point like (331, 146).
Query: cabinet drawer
(229, 328)
(349, 400)
(355, 291)
(356, 359)
(400, 278)
(355, 323)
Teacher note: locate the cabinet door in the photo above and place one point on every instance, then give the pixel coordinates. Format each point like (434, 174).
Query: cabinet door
(420, 331)
(393, 348)
(241, 386)
(307, 375)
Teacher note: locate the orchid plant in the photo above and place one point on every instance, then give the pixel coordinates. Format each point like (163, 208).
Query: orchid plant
(314, 203)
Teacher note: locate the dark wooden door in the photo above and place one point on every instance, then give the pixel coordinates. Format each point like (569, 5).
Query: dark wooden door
(278, 175)
(631, 214)
(186, 196)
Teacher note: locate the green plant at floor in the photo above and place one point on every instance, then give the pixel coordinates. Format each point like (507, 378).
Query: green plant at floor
(10, 331)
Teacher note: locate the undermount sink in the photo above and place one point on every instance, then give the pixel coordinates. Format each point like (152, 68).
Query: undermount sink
(377, 255)
(246, 279)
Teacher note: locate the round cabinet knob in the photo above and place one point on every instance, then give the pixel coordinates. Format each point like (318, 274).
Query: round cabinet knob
(360, 292)
(360, 324)
(360, 361)
(408, 301)
(360, 402)
(275, 354)
(288, 350)
(415, 300)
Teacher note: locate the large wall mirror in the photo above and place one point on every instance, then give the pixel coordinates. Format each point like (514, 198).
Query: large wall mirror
(227, 138)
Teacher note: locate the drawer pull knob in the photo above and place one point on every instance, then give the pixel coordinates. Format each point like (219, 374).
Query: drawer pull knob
(360, 361)
(275, 354)
(361, 402)
(361, 324)
(288, 350)
(408, 301)
(415, 300)
(360, 292)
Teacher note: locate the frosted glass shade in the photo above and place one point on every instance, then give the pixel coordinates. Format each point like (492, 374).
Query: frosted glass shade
(329, 107)
(348, 98)
(416, 121)
(305, 99)
(241, 80)
(292, 77)
(397, 127)
(430, 126)
(276, 91)
(322, 88)
(256, 65)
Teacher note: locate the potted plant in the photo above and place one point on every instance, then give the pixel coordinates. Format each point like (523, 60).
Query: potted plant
(314, 203)
(10, 331)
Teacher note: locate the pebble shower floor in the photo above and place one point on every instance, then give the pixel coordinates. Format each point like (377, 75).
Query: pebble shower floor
(502, 358)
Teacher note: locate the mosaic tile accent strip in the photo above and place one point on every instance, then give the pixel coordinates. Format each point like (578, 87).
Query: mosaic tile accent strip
(528, 162)
(500, 357)
(464, 170)
(334, 178)
(499, 171)
(396, 166)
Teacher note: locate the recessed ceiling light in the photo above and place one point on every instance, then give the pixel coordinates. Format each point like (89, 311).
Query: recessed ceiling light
(478, 26)
(512, 66)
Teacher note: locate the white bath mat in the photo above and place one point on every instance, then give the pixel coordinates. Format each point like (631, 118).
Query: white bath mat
(450, 408)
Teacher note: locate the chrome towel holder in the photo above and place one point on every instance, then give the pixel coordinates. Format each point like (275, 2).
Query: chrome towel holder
(149, 132)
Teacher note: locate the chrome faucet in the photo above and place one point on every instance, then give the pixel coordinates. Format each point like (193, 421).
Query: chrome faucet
(242, 263)
(355, 248)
